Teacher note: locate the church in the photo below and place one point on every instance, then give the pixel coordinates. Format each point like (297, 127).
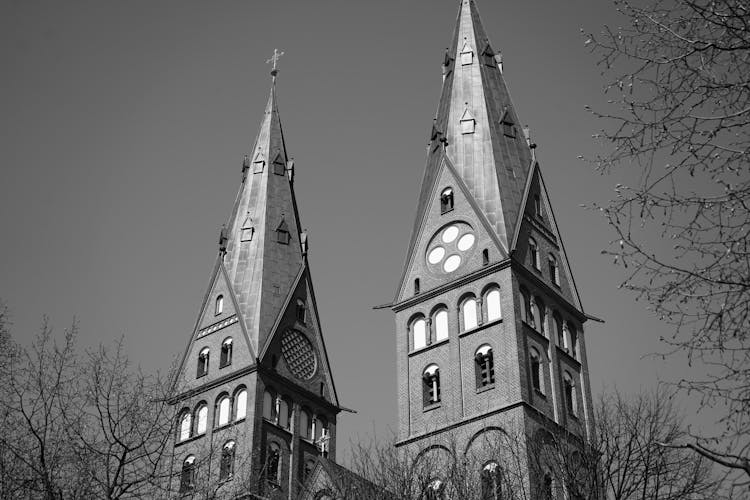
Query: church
(488, 322)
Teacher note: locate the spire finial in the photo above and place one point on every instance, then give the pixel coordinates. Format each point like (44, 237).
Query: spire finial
(274, 60)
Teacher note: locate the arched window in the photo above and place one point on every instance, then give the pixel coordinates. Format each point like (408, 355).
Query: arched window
(492, 299)
(269, 406)
(570, 393)
(484, 366)
(309, 466)
(537, 206)
(440, 321)
(416, 286)
(435, 490)
(273, 463)
(485, 257)
(226, 467)
(226, 353)
(419, 333)
(537, 312)
(446, 200)
(526, 315)
(492, 482)
(554, 271)
(559, 330)
(202, 363)
(284, 413)
(301, 311)
(321, 427)
(186, 426)
(201, 418)
(305, 424)
(222, 410)
(573, 345)
(534, 253)
(187, 475)
(469, 313)
(431, 385)
(240, 404)
(536, 369)
(219, 305)
(547, 487)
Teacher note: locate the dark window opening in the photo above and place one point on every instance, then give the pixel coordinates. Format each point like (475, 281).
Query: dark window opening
(301, 311)
(187, 476)
(484, 367)
(431, 385)
(202, 369)
(322, 388)
(226, 353)
(416, 286)
(485, 257)
(446, 200)
(226, 466)
(272, 464)
(536, 367)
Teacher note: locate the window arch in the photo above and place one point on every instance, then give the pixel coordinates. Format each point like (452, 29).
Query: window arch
(572, 340)
(538, 313)
(202, 369)
(554, 270)
(484, 366)
(269, 406)
(273, 463)
(440, 320)
(469, 313)
(559, 329)
(419, 332)
(240, 404)
(186, 426)
(187, 475)
(570, 393)
(534, 253)
(536, 369)
(309, 466)
(305, 424)
(284, 413)
(219, 306)
(201, 417)
(226, 466)
(446, 200)
(492, 481)
(526, 315)
(492, 301)
(431, 385)
(223, 405)
(301, 311)
(226, 353)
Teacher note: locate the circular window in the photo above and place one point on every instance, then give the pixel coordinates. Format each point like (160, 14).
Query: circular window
(299, 354)
(450, 247)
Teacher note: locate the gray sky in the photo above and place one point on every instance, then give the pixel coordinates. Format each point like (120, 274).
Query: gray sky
(122, 131)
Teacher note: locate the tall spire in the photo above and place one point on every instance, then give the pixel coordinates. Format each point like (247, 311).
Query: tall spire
(477, 128)
(263, 253)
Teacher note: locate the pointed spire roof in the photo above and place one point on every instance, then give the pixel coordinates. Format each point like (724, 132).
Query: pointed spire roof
(263, 254)
(491, 155)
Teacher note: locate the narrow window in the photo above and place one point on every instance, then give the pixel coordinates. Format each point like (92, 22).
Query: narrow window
(187, 476)
(441, 325)
(301, 311)
(322, 388)
(202, 363)
(492, 482)
(485, 257)
(493, 305)
(446, 200)
(305, 424)
(536, 369)
(534, 253)
(538, 313)
(202, 418)
(537, 206)
(573, 341)
(186, 422)
(219, 305)
(309, 466)
(526, 315)
(223, 411)
(547, 487)
(559, 330)
(554, 271)
(269, 407)
(284, 414)
(484, 366)
(469, 313)
(419, 332)
(570, 394)
(282, 233)
(431, 385)
(226, 467)
(226, 353)
(272, 463)
(321, 427)
(435, 490)
(416, 286)
(240, 404)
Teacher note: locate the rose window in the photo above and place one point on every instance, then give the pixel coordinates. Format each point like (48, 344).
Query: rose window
(450, 247)
(299, 354)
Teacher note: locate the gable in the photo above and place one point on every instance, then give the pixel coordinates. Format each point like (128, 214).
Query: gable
(538, 224)
(295, 348)
(218, 321)
(451, 240)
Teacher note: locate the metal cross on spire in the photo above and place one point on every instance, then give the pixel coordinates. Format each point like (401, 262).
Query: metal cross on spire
(274, 60)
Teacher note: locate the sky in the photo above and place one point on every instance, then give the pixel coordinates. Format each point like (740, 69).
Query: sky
(122, 131)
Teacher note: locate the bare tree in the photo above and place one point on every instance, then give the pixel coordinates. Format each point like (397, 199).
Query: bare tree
(677, 72)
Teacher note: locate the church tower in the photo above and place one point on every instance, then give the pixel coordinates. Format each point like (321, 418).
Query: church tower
(489, 323)
(254, 396)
